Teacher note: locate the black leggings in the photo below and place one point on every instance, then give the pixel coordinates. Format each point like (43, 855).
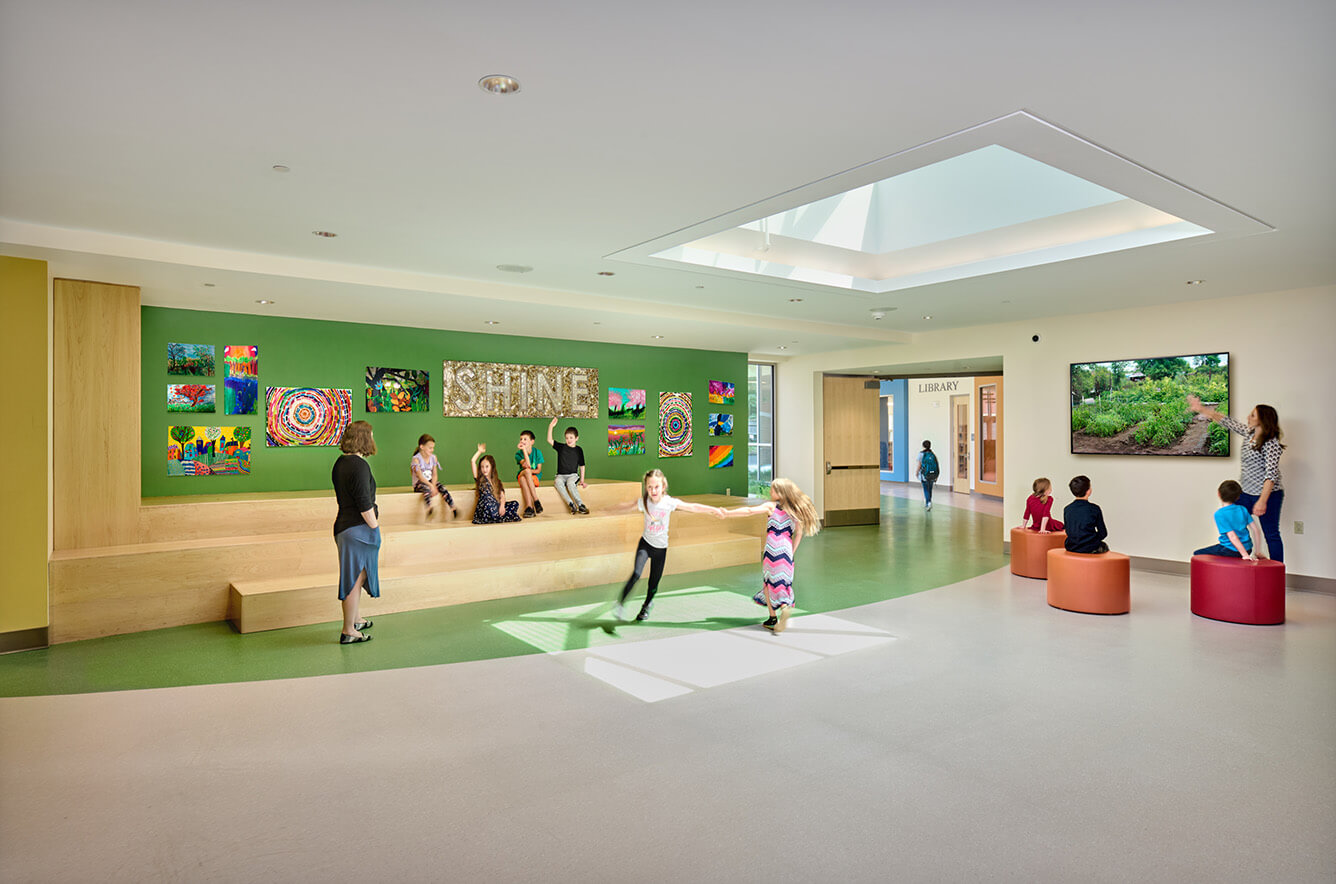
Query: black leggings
(656, 557)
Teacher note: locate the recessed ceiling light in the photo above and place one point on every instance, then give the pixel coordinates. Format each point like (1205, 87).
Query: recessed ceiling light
(499, 84)
(264, 301)
(279, 167)
(1006, 302)
(596, 322)
(795, 300)
(514, 268)
(781, 347)
(926, 316)
(492, 322)
(1195, 281)
(606, 273)
(208, 285)
(700, 286)
(658, 337)
(324, 233)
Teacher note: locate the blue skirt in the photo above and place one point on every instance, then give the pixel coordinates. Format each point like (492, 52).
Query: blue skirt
(359, 550)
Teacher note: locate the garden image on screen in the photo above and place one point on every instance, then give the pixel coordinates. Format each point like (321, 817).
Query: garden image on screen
(1139, 406)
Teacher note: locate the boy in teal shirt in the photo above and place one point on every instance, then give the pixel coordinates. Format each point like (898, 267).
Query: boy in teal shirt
(1238, 531)
(529, 466)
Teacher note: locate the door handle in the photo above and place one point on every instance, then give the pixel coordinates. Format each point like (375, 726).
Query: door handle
(827, 468)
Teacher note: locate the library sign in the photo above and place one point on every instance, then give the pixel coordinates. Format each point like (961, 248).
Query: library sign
(503, 389)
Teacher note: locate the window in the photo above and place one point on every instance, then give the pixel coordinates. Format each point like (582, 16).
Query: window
(988, 433)
(760, 427)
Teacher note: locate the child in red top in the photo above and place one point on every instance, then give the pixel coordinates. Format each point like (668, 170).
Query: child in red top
(1037, 509)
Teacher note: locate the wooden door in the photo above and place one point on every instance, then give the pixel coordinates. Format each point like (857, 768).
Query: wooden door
(851, 427)
(960, 444)
(988, 444)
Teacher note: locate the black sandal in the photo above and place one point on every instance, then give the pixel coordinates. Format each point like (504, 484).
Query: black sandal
(346, 639)
(365, 624)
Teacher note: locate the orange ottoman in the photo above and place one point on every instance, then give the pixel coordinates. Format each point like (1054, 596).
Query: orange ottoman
(1029, 551)
(1090, 583)
(1238, 591)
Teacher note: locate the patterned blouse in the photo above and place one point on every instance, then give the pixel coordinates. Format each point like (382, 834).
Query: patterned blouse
(1258, 466)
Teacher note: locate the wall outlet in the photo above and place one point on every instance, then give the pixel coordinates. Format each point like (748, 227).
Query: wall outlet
(1298, 527)
(729, 492)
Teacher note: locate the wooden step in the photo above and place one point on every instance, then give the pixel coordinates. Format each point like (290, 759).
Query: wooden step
(278, 603)
(131, 588)
(174, 519)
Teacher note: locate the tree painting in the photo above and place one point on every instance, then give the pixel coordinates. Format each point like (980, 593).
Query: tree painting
(191, 397)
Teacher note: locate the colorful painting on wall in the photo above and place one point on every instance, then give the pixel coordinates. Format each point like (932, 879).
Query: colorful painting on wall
(241, 384)
(674, 424)
(306, 415)
(395, 389)
(208, 451)
(198, 398)
(190, 359)
(721, 424)
(625, 402)
(624, 440)
(721, 393)
(721, 456)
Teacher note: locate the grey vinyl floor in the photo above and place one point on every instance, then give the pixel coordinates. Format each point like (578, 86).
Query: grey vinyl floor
(974, 735)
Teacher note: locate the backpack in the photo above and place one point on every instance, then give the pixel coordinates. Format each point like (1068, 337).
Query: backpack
(930, 468)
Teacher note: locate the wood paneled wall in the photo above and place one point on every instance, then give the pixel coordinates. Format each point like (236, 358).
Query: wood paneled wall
(96, 426)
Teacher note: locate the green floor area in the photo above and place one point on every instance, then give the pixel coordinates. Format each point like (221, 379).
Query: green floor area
(909, 552)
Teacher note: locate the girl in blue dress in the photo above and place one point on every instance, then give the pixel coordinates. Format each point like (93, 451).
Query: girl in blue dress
(490, 504)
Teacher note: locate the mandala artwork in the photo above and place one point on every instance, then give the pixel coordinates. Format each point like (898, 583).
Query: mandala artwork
(306, 415)
(674, 424)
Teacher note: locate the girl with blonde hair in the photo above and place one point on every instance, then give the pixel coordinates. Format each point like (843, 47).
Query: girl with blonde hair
(792, 517)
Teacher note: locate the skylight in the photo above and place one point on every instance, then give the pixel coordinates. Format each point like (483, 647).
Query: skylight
(1015, 192)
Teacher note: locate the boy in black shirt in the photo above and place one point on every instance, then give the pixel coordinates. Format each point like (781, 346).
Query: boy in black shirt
(570, 469)
(1084, 520)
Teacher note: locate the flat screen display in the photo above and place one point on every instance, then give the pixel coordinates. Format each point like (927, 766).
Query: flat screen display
(1139, 406)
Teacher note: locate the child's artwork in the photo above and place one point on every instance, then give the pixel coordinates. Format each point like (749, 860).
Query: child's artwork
(624, 402)
(721, 456)
(626, 440)
(208, 451)
(674, 424)
(721, 424)
(241, 384)
(395, 389)
(190, 359)
(306, 415)
(721, 393)
(199, 398)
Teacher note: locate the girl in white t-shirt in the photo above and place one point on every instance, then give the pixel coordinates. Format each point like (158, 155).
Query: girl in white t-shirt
(426, 471)
(657, 506)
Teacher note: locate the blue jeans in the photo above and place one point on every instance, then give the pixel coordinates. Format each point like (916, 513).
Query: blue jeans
(1218, 550)
(927, 490)
(1268, 521)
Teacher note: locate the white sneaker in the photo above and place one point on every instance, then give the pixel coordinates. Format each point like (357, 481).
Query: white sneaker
(930, 506)
(618, 612)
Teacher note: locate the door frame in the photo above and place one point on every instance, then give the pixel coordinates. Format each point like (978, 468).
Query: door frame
(954, 403)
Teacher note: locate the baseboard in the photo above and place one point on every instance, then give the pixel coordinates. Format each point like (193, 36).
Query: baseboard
(23, 640)
(1302, 582)
(843, 518)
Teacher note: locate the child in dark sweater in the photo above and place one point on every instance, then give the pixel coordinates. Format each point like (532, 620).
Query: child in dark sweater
(1084, 521)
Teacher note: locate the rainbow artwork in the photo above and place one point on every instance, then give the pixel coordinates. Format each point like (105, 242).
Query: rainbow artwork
(721, 393)
(626, 439)
(625, 402)
(306, 415)
(208, 451)
(721, 424)
(241, 384)
(674, 424)
(196, 398)
(721, 456)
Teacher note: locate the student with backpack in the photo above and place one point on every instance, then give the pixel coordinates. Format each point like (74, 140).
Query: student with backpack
(927, 472)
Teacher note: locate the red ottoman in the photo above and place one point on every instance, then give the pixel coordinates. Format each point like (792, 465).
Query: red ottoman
(1029, 551)
(1238, 591)
(1090, 583)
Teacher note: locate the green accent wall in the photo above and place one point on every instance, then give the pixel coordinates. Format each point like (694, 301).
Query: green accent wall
(317, 353)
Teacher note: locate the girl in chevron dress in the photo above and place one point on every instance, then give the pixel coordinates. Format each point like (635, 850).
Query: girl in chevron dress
(792, 517)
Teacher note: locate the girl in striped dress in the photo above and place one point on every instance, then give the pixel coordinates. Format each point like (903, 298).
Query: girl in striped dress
(792, 517)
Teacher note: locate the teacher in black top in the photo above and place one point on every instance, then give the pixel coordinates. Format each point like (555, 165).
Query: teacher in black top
(357, 528)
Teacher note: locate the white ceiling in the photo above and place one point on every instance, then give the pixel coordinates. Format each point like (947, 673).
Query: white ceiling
(137, 140)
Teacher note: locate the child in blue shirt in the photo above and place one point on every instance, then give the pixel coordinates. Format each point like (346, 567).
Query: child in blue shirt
(1238, 531)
